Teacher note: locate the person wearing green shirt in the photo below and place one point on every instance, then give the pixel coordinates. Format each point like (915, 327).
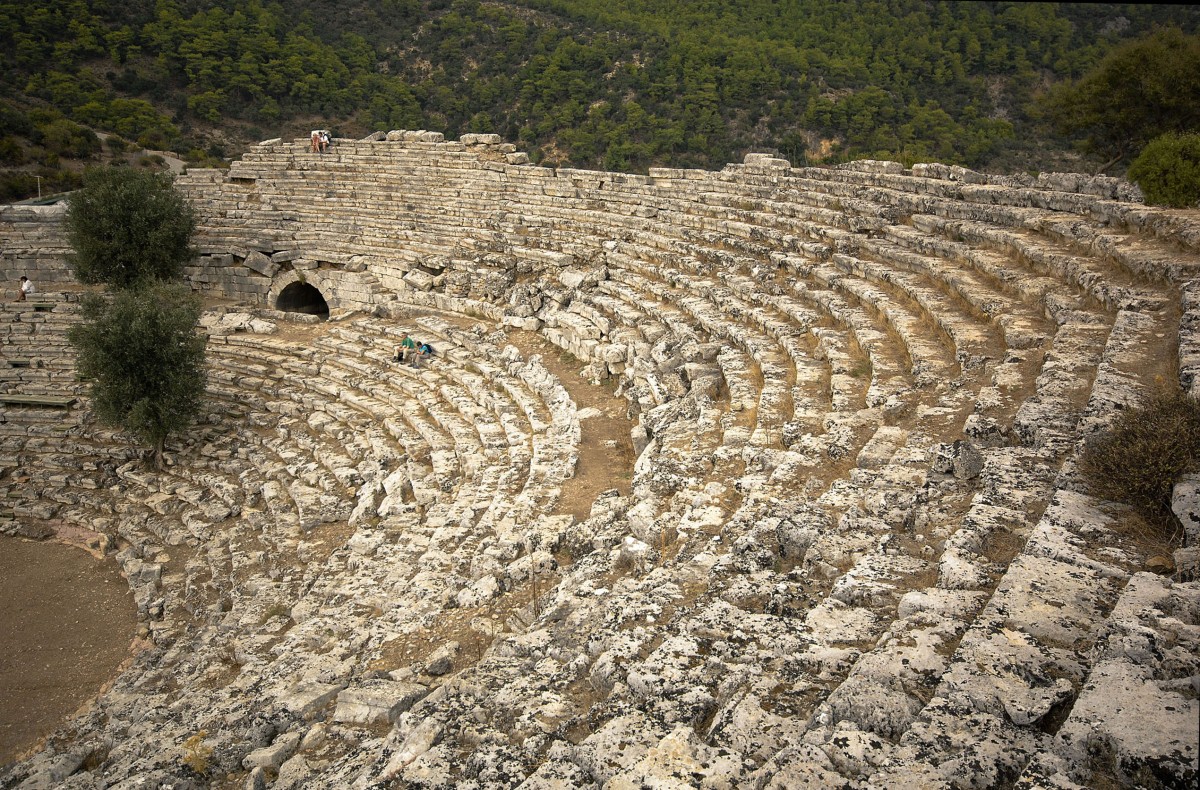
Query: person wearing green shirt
(407, 346)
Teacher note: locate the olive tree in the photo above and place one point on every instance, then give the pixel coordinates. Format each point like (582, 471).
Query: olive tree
(145, 359)
(128, 227)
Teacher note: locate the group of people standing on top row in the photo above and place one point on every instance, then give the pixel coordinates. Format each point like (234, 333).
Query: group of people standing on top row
(320, 140)
(412, 351)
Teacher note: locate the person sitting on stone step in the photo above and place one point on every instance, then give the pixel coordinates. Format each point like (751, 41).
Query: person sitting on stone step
(26, 289)
(424, 351)
(315, 138)
(407, 346)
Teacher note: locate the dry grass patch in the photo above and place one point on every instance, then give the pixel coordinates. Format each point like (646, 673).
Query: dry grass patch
(1141, 457)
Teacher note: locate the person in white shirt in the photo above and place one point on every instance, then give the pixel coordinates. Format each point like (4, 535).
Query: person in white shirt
(26, 288)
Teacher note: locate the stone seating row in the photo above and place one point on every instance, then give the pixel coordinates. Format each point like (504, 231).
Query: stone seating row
(951, 575)
(1025, 201)
(1134, 267)
(431, 398)
(794, 643)
(823, 178)
(243, 371)
(270, 492)
(321, 436)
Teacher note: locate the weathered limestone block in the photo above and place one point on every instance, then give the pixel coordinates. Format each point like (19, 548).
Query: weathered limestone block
(1189, 338)
(960, 459)
(308, 698)
(260, 263)
(883, 445)
(873, 166)
(766, 161)
(480, 139)
(441, 661)
(798, 765)
(617, 746)
(479, 591)
(376, 701)
(680, 759)
(1185, 502)
(985, 431)
(420, 280)
(1137, 714)
(273, 756)
(931, 170)
(417, 740)
(294, 774)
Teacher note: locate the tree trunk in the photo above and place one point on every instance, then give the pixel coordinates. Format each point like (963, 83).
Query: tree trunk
(158, 452)
(1109, 164)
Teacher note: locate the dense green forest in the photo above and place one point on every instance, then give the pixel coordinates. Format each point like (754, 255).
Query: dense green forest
(588, 83)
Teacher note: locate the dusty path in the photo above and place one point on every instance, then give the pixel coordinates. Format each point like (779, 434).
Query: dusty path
(606, 455)
(66, 624)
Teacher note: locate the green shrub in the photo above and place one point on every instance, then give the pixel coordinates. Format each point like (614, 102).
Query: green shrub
(1139, 460)
(16, 185)
(117, 144)
(69, 139)
(11, 152)
(1168, 170)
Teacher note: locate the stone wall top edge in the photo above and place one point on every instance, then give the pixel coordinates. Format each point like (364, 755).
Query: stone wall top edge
(11, 211)
(755, 165)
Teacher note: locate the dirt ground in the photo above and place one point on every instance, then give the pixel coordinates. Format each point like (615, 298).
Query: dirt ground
(605, 448)
(67, 621)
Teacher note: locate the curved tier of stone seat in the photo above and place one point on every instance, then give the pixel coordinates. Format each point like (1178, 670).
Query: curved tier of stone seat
(442, 451)
(913, 607)
(1024, 340)
(300, 474)
(538, 456)
(430, 224)
(873, 296)
(766, 339)
(864, 570)
(407, 580)
(438, 160)
(1108, 344)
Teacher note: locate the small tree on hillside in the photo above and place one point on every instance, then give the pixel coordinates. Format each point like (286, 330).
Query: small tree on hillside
(146, 361)
(1142, 89)
(128, 227)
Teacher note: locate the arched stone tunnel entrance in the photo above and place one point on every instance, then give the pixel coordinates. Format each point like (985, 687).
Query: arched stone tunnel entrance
(298, 297)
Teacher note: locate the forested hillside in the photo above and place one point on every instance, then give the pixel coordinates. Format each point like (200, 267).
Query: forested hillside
(591, 83)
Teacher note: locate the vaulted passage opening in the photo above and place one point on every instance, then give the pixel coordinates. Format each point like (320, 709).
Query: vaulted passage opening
(302, 298)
